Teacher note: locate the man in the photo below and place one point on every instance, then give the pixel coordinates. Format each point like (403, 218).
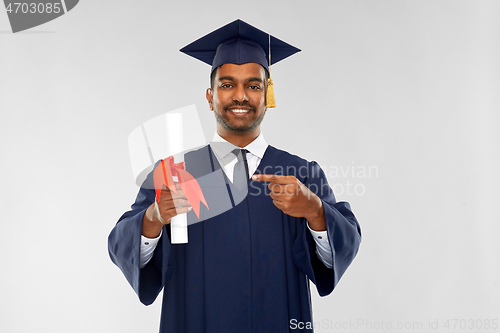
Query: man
(247, 266)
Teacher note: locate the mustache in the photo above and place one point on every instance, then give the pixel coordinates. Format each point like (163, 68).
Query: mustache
(246, 104)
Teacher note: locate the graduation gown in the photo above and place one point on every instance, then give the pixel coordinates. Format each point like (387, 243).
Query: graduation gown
(245, 269)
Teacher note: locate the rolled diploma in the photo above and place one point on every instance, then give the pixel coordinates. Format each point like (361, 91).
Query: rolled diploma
(175, 140)
(178, 227)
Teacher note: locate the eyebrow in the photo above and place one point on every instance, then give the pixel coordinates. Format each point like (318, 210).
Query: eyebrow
(230, 78)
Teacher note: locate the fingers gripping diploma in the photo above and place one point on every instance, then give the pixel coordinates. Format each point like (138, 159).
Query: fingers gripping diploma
(161, 211)
(295, 199)
(177, 192)
(170, 204)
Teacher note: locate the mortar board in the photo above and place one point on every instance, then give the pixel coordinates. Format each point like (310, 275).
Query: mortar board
(238, 43)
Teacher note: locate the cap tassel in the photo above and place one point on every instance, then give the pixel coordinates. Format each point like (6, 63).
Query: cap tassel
(270, 100)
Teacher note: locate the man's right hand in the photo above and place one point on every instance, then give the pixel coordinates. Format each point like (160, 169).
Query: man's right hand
(161, 212)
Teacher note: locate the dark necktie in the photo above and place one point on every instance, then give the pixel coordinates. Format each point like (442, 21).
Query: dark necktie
(240, 173)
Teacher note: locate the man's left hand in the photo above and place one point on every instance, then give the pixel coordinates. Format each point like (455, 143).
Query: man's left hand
(295, 199)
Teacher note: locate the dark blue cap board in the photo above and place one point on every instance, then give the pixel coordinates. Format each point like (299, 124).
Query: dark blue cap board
(238, 43)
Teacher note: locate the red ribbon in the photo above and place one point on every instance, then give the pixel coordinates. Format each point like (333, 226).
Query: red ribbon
(162, 175)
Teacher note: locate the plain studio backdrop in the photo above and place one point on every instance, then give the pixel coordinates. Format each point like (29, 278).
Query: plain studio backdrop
(397, 100)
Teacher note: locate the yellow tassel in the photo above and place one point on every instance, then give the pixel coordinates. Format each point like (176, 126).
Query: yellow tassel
(270, 101)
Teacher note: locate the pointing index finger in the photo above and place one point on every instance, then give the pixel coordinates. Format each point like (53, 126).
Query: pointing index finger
(268, 178)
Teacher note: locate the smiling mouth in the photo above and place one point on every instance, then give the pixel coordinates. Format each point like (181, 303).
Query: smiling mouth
(239, 110)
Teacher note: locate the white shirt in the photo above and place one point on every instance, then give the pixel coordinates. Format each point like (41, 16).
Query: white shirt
(223, 152)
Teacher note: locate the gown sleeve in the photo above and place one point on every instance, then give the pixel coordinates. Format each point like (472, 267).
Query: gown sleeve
(344, 235)
(124, 244)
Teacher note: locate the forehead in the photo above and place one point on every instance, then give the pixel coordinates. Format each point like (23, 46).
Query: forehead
(241, 72)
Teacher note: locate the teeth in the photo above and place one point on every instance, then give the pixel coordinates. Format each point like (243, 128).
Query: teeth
(239, 111)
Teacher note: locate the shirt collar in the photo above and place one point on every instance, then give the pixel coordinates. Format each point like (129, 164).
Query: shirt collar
(222, 148)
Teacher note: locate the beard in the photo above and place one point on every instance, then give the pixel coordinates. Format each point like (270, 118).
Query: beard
(225, 122)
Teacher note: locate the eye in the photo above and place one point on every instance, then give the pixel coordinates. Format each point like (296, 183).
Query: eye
(255, 87)
(225, 85)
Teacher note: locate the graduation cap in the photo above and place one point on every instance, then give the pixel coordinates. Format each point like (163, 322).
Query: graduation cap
(239, 43)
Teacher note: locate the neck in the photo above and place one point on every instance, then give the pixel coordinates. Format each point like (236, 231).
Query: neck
(240, 139)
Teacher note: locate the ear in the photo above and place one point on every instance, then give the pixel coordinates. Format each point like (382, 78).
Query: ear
(210, 98)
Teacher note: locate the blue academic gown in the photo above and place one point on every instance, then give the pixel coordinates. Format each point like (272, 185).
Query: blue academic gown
(246, 269)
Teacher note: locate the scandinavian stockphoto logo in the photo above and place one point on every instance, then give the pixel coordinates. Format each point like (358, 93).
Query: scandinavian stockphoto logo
(29, 14)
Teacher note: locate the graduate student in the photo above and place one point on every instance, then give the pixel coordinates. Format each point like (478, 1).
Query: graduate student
(272, 224)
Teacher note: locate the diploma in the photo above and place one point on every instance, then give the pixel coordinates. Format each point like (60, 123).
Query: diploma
(178, 227)
(175, 141)
(170, 174)
(171, 134)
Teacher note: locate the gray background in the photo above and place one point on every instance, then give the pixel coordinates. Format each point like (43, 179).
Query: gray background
(408, 88)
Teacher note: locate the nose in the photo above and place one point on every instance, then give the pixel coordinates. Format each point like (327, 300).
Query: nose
(240, 94)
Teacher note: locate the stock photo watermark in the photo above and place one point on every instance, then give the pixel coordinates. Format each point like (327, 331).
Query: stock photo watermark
(348, 180)
(25, 15)
(452, 324)
(351, 180)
